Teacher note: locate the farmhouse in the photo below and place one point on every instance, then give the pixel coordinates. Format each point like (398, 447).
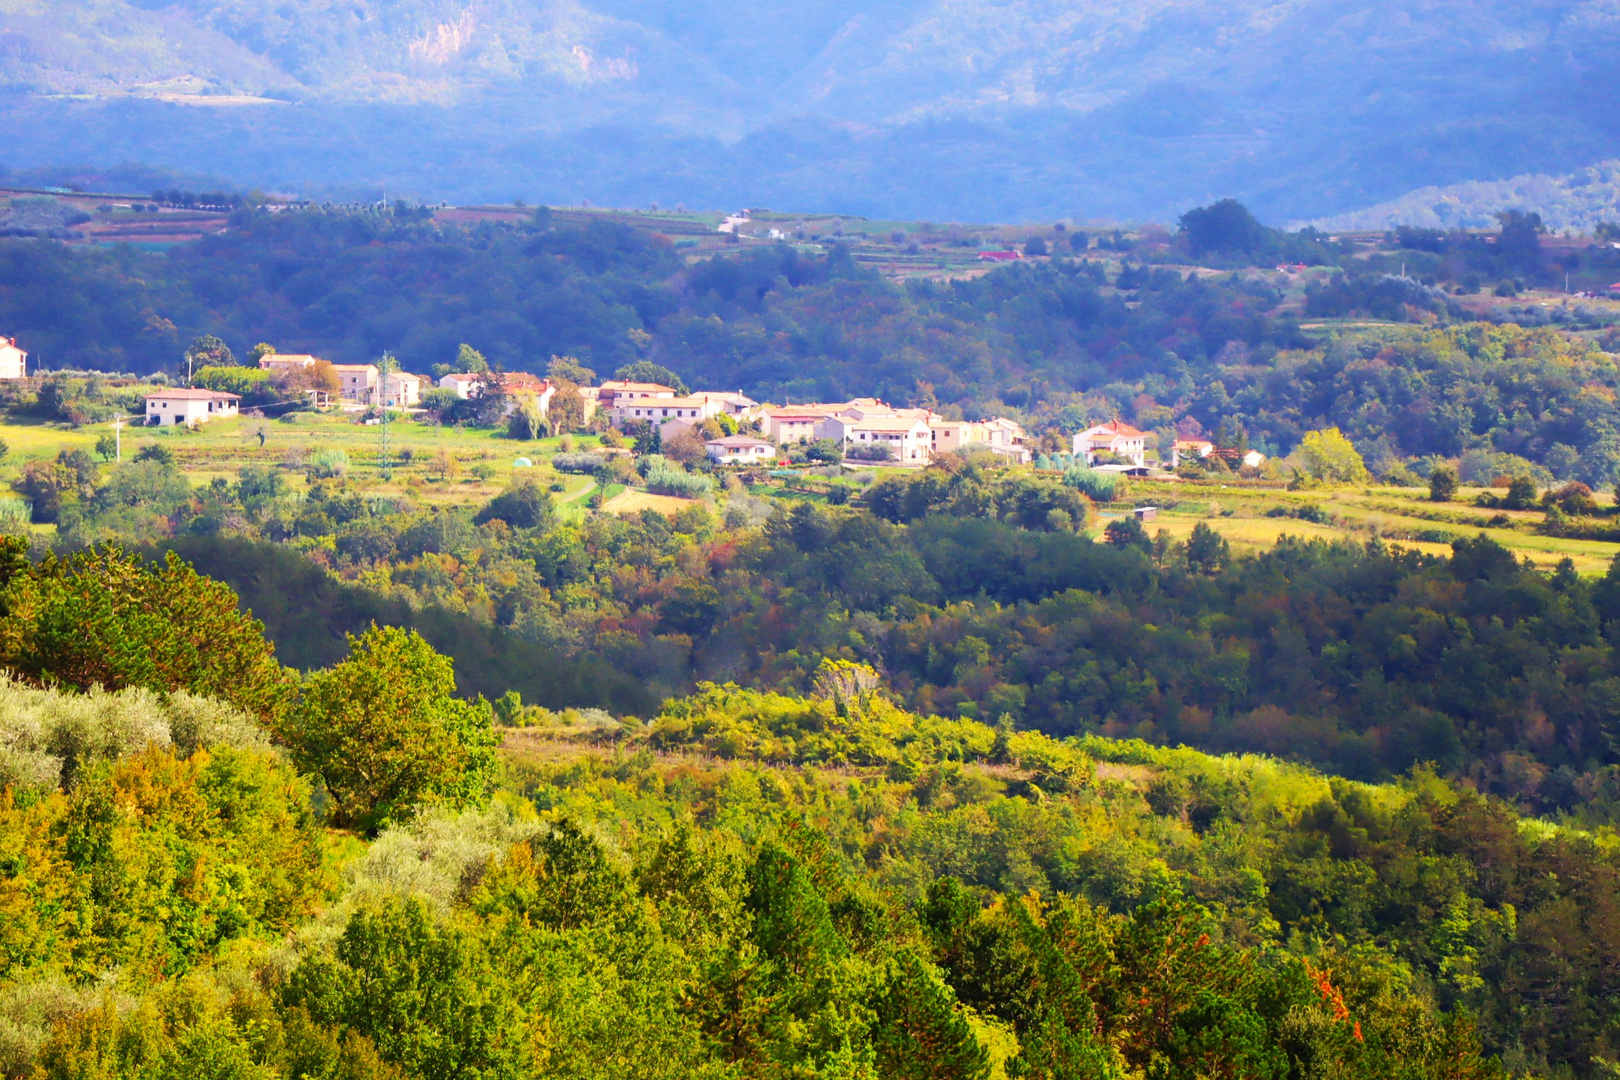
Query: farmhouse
(357, 382)
(882, 437)
(13, 361)
(694, 410)
(791, 425)
(953, 436)
(401, 390)
(465, 385)
(184, 405)
(521, 384)
(286, 361)
(615, 392)
(1007, 437)
(737, 404)
(1115, 438)
(739, 450)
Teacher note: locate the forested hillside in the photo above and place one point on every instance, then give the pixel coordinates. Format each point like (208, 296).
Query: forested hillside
(1363, 660)
(1581, 200)
(901, 109)
(335, 875)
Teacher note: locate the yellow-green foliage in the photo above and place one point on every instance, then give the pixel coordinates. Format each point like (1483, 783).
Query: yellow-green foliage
(867, 730)
(143, 836)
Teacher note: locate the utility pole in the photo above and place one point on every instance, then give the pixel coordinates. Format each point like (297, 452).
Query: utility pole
(118, 439)
(385, 367)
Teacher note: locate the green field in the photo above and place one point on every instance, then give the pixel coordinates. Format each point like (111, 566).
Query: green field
(1401, 516)
(223, 447)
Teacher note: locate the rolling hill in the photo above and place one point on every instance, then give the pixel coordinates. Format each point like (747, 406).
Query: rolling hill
(1581, 200)
(920, 108)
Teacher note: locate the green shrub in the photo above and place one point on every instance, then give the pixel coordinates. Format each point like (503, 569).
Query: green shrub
(1101, 487)
(671, 480)
(15, 514)
(327, 464)
(578, 463)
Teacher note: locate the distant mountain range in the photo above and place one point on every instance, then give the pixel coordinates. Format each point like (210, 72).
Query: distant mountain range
(946, 109)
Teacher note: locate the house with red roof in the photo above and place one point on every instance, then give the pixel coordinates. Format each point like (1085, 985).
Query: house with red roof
(1114, 437)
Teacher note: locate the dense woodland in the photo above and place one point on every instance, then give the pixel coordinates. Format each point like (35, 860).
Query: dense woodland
(211, 865)
(970, 587)
(1057, 342)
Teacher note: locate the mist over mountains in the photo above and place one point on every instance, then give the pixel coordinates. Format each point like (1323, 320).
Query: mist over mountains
(944, 109)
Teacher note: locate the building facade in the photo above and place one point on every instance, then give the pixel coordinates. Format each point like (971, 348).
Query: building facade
(740, 450)
(1114, 437)
(13, 361)
(184, 405)
(694, 410)
(401, 390)
(357, 383)
(907, 440)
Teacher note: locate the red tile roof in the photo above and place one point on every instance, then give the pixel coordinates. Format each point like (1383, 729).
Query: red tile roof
(1118, 428)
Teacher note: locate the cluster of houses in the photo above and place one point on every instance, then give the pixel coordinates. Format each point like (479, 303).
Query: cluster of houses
(1119, 447)
(867, 429)
(359, 386)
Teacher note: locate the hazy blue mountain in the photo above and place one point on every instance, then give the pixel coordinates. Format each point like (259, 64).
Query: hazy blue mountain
(926, 108)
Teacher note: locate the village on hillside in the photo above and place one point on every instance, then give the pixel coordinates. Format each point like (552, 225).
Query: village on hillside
(731, 427)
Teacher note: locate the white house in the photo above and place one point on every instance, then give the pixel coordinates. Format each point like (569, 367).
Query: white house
(694, 410)
(1254, 459)
(907, 438)
(732, 404)
(184, 405)
(1007, 438)
(615, 392)
(1115, 438)
(464, 385)
(517, 385)
(13, 361)
(804, 423)
(740, 450)
(357, 382)
(401, 389)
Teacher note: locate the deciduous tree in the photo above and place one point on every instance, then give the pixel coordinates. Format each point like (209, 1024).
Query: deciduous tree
(386, 734)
